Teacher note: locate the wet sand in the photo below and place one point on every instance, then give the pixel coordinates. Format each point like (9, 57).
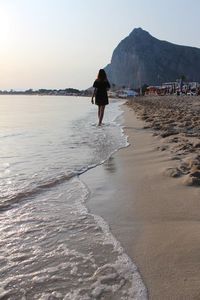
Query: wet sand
(155, 216)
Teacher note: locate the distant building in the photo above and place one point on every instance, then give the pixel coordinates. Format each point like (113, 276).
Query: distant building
(178, 87)
(155, 90)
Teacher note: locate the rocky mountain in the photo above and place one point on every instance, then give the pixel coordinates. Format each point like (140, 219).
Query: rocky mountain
(142, 59)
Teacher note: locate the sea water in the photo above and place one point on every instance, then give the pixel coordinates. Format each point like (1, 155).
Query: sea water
(51, 246)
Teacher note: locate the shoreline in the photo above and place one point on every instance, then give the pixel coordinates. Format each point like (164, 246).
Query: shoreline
(153, 216)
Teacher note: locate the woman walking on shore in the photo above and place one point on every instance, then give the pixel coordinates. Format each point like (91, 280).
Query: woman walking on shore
(101, 86)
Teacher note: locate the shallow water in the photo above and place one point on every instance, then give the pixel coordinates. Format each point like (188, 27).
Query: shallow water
(51, 246)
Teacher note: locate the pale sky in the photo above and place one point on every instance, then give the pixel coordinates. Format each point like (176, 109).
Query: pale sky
(63, 43)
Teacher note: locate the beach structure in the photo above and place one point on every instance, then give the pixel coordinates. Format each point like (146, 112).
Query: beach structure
(126, 93)
(175, 87)
(155, 90)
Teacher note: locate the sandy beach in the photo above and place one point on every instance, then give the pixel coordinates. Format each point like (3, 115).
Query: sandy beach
(149, 194)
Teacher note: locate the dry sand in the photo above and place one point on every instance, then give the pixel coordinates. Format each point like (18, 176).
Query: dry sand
(154, 216)
(177, 121)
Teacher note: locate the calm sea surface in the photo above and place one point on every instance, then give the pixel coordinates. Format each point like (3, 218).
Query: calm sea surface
(51, 246)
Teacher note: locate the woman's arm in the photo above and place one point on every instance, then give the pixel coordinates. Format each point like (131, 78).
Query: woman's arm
(94, 93)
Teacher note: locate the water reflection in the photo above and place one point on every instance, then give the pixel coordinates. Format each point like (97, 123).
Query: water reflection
(110, 166)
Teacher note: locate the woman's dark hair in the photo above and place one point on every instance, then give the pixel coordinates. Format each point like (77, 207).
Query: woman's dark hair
(102, 75)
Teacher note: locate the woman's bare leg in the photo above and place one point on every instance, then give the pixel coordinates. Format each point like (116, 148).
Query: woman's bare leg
(101, 113)
(99, 109)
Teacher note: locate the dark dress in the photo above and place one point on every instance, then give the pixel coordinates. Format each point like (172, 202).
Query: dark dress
(101, 95)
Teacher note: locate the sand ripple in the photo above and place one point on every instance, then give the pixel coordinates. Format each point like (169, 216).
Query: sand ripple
(177, 121)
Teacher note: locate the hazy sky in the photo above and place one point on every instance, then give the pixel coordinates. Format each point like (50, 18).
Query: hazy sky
(63, 43)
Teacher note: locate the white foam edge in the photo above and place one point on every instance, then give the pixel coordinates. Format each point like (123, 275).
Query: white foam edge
(127, 144)
(117, 120)
(124, 265)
